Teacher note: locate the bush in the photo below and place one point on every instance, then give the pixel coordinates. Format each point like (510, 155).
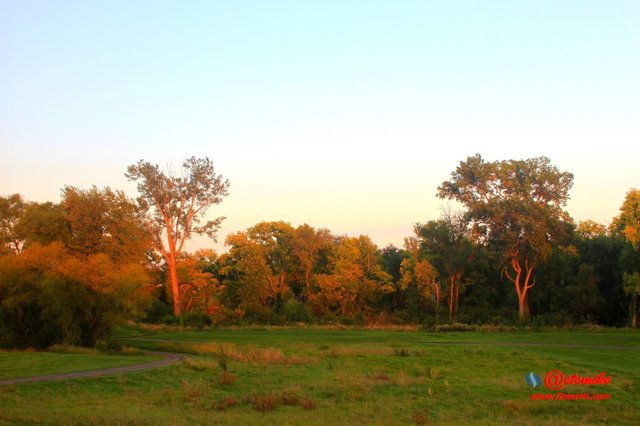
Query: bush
(295, 311)
(108, 346)
(199, 320)
(44, 311)
(158, 312)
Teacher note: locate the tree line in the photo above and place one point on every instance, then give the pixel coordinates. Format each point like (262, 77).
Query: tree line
(70, 271)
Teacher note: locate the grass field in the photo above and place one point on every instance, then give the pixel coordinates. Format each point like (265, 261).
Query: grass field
(323, 376)
(24, 364)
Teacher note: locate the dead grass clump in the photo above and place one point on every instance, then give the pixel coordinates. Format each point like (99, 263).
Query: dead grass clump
(307, 404)
(62, 348)
(264, 356)
(192, 392)
(434, 373)
(225, 404)
(512, 405)
(289, 398)
(420, 417)
(199, 364)
(263, 402)
(227, 379)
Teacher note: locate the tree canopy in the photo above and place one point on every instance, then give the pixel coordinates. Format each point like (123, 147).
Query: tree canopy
(516, 205)
(175, 207)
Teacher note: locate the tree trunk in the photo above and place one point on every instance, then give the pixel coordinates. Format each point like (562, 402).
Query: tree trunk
(457, 302)
(175, 290)
(437, 288)
(634, 310)
(452, 279)
(523, 307)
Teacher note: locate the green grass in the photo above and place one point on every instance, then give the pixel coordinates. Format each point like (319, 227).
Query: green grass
(317, 376)
(24, 364)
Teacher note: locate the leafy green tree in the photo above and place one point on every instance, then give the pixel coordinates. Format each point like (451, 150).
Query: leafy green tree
(43, 223)
(199, 286)
(175, 207)
(628, 224)
(391, 260)
(247, 277)
(517, 206)
(419, 279)
(632, 288)
(105, 221)
(446, 244)
(629, 219)
(276, 241)
(11, 210)
(587, 229)
(585, 298)
(306, 247)
(48, 296)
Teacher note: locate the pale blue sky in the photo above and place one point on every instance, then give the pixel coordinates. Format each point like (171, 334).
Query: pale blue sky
(344, 114)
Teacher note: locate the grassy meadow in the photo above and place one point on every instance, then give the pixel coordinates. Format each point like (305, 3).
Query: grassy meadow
(327, 376)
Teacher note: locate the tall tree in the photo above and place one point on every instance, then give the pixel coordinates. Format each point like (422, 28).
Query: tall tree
(517, 205)
(175, 207)
(11, 210)
(628, 223)
(446, 243)
(306, 246)
(419, 275)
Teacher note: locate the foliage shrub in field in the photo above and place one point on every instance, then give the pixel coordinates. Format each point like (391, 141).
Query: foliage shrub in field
(295, 312)
(196, 319)
(47, 296)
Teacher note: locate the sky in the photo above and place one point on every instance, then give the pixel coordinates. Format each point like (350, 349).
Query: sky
(344, 115)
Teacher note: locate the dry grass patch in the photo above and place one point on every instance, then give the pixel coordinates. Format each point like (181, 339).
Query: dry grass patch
(225, 404)
(263, 402)
(200, 364)
(227, 379)
(251, 354)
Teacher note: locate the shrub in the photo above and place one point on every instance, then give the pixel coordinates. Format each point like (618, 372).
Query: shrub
(295, 312)
(307, 404)
(108, 346)
(225, 403)
(199, 320)
(263, 402)
(227, 379)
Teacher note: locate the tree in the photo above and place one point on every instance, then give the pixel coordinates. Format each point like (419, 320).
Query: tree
(11, 210)
(247, 277)
(49, 295)
(198, 285)
(105, 221)
(516, 205)
(305, 248)
(276, 240)
(447, 246)
(43, 223)
(175, 207)
(419, 275)
(628, 223)
(632, 288)
(391, 258)
(588, 229)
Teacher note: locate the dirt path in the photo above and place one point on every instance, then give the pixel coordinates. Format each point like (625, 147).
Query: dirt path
(167, 359)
